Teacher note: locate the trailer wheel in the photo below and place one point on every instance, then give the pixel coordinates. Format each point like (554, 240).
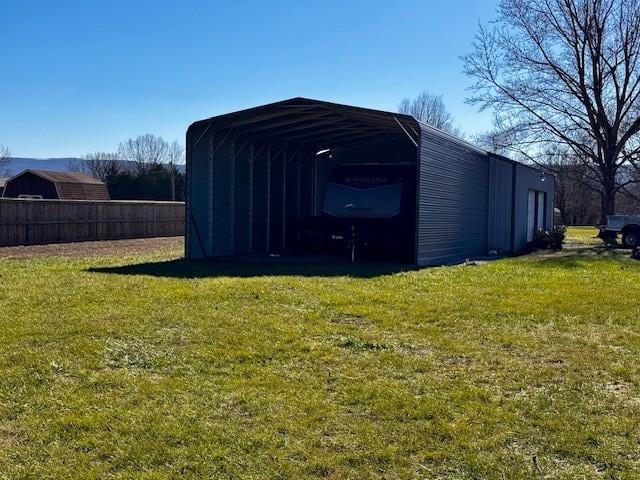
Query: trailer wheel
(630, 239)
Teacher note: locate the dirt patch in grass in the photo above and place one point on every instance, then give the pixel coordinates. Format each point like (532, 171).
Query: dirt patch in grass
(9, 437)
(134, 353)
(355, 320)
(97, 248)
(154, 352)
(356, 343)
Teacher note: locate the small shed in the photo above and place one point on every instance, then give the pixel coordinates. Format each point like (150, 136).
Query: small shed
(307, 175)
(48, 184)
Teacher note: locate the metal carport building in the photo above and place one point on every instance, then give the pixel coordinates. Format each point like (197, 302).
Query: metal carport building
(252, 174)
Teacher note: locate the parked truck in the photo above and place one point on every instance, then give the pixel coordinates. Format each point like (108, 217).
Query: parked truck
(626, 225)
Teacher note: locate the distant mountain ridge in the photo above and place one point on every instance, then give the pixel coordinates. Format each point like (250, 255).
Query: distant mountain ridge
(18, 164)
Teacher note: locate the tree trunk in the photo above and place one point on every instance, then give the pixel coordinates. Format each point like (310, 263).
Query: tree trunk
(608, 198)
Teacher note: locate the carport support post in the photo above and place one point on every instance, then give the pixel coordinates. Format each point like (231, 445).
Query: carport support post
(314, 186)
(299, 187)
(284, 201)
(293, 199)
(222, 162)
(220, 174)
(243, 201)
(261, 200)
(278, 198)
(209, 239)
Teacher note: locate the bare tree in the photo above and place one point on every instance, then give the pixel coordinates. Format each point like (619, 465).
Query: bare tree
(5, 155)
(628, 202)
(576, 194)
(175, 156)
(99, 165)
(564, 72)
(430, 109)
(144, 151)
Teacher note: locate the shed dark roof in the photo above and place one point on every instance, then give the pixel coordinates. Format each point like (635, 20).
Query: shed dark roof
(66, 177)
(71, 185)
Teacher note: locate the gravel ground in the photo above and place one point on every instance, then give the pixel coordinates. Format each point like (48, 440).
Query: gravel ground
(92, 249)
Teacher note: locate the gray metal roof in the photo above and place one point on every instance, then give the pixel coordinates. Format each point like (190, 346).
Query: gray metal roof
(306, 121)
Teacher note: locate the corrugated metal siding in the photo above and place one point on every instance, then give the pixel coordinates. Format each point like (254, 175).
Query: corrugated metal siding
(188, 233)
(500, 204)
(452, 201)
(528, 178)
(223, 182)
(198, 225)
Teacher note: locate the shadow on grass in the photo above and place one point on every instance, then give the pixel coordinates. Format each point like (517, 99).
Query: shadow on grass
(210, 269)
(574, 257)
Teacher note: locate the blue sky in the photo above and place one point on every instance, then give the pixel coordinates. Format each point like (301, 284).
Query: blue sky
(81, 76)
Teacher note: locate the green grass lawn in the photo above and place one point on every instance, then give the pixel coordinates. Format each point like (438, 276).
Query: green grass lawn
(582, 235)
(519, 368)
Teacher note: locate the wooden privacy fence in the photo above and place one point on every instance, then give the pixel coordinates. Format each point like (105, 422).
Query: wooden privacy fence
(31, 222)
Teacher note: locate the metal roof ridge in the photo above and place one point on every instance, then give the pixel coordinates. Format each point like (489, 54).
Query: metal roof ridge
(451, 136)
(291, 101)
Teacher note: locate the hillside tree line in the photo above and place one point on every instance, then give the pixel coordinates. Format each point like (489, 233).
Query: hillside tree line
(146, 167)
